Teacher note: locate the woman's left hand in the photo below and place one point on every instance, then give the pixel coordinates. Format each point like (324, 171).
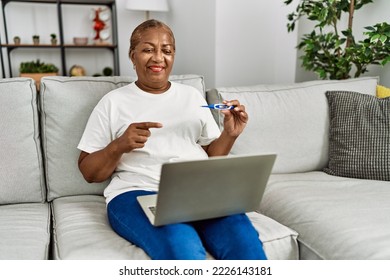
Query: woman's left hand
(235, 119)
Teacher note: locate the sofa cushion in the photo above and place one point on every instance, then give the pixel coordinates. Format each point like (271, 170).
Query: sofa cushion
(337, 218)
(82, 231)
(24, 231)
(21, 167)
(290, 120)
(66, 103)
(382, 91)
(359, 145)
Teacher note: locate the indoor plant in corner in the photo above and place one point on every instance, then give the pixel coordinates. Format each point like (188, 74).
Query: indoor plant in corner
(331, 50)
(37, 69)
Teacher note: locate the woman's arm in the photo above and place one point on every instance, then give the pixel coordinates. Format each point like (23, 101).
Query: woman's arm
(99, 166)
(235, 121)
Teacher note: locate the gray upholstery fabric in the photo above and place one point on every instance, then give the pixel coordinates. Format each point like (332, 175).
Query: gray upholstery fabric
(24, 231)
(290, 120)
(66, 103)
(21, 167)
(337, 218)
(82, 231)
(359, 145)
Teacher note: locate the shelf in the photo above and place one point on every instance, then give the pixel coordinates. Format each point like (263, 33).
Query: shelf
(101, 46)
(108, 46)
(61, 46)
(75, 2)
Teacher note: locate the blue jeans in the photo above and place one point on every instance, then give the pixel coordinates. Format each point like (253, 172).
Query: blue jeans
(232, 237)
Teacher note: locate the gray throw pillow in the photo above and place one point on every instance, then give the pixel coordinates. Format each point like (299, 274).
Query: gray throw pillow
(359, 144)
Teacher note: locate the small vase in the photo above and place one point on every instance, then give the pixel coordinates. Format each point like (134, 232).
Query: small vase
(16, 40)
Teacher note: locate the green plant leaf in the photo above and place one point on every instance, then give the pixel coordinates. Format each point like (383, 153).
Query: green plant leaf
(333, 54)
(385, 61)
(383, 38)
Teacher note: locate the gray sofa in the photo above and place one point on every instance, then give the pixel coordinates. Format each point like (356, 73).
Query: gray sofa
(336, 217)
(48, 211)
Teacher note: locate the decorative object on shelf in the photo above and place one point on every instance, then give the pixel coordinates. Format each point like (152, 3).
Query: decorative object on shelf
(11, 53)
(107, 71)
(334, 54)
(100, 17)
(35, 39)
(80, 41)
(147, 6)
(37, 69)
(53, 39)
(77, 70)
(17, 40)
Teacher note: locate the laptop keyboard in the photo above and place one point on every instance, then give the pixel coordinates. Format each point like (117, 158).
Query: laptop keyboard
(153, 209)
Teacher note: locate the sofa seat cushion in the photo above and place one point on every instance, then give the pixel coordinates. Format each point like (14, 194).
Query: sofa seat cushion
(335, 217)
(24, 231)
(82, 231)
(279, 241)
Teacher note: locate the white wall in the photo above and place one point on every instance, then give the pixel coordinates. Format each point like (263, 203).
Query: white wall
(229, 42)
(193, 23)
(252, 44)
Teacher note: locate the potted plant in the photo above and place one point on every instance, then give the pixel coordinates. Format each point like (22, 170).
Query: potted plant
(107, 71)
(332, 52)
(53, 39)
(35, 39)
(16, 40)
(37, 69)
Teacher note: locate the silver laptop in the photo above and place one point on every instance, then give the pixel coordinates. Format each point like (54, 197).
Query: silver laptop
(209, 188)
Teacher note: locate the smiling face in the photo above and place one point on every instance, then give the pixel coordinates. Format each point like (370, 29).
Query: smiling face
(153, 57)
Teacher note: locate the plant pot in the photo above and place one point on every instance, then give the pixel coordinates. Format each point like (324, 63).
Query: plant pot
(37, 77)
(16, 40)
(36, 41)
(54, 41)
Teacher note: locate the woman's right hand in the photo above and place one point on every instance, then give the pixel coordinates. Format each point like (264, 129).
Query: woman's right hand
(99, 166)
(136, 136)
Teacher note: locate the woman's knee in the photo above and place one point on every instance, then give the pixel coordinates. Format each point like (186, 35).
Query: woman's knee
(180, 242)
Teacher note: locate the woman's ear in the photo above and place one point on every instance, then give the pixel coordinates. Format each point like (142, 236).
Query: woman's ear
(131, 56)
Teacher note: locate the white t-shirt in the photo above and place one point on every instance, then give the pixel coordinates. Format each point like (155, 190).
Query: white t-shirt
(186, 127)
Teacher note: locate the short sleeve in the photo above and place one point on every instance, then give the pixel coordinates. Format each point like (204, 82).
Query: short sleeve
(97, 134)
(210, 130)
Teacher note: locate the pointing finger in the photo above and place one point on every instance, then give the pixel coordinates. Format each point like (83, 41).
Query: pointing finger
(147, 125)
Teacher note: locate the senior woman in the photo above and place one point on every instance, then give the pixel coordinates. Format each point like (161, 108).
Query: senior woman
(134, 129)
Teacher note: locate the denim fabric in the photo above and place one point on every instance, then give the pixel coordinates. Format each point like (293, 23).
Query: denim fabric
(232, 237)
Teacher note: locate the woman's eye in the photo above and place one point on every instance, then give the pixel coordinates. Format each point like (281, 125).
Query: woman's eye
(167, 52)
(148, 50)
